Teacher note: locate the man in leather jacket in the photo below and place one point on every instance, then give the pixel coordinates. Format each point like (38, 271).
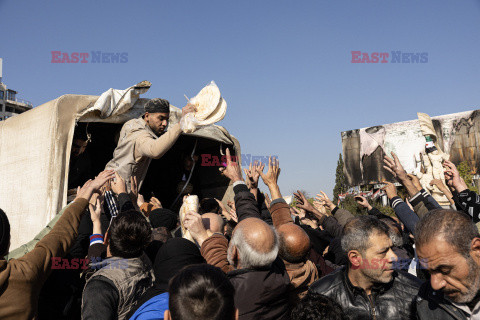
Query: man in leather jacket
(369, 288)
(449, 243)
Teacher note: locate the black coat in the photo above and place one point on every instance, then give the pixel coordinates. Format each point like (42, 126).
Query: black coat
(432, 306)
(262, 294)
(394, 300)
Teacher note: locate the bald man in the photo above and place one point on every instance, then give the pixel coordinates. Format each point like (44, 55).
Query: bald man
(213, 222)
(250, 259)
(294, 248)
(294, 241)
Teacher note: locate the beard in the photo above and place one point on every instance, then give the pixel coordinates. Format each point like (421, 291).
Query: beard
(473, 280)
(378, 275)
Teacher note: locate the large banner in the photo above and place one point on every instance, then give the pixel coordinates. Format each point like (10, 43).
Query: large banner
(457, 135)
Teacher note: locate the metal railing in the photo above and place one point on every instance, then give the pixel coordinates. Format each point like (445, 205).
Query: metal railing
(28, 103)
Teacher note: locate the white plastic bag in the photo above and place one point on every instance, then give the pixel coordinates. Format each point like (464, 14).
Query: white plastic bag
(190, 203)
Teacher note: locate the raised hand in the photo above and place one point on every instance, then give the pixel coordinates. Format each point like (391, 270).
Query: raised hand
(101, 179)
(438, 183)
(155, 202)
(188, 108)
(231, 204)
(193, 222)
(322, 197)
(300, 213)
(253, 173)
(271, 178)
(118, 184)
(233, 215)
(95, 185)
(415, 181)
(302, 202)
(390, 189)
(394, 166)
(232, 170)
(140, 200)
(453, 176)
(362, 201)
(95, 210)
(320, 206)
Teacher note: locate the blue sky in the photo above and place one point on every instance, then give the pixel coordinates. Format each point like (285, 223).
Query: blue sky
(284, 67)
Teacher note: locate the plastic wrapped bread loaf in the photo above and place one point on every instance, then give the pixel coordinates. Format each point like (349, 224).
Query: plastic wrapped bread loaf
(190, 203)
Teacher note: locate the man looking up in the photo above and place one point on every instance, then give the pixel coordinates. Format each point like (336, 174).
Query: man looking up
(145, 138)
(448, 243)
(369, 288)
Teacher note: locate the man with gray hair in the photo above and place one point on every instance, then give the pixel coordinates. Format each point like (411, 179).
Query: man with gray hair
(369, 288)
(144, 139)
(250, 259)
(448, 243)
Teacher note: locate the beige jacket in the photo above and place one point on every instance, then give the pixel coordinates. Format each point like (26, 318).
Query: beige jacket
(137, 145)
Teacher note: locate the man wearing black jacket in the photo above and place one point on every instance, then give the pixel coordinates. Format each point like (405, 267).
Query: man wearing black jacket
(449, 243)
(369, 288)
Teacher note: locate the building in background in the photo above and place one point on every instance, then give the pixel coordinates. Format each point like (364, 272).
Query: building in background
(10, 105)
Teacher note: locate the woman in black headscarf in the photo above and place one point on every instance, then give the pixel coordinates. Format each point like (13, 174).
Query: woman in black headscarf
(172, 256)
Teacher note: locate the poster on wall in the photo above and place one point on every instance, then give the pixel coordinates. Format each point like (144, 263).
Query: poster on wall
(455, 136)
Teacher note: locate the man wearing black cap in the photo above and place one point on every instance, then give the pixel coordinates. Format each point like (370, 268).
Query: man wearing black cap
(143, 139)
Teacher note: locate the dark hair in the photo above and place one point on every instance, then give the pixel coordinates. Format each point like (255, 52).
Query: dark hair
(129, 234)
(81, 132)
(4, 233)
(157, 105)
(209, 205)
(456, 228)
(201, 292)
(162, 217)
(230, 225)
(357, 232)
(317, 306)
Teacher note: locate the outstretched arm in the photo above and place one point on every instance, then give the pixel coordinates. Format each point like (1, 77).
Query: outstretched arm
(394, 166)
(245, 203)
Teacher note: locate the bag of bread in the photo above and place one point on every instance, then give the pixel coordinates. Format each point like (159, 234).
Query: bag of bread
(210, 105)
(190, 203)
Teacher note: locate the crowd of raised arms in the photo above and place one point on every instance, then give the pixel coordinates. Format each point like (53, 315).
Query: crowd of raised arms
(114, 255)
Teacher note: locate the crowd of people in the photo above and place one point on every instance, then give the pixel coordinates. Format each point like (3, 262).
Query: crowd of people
(256, 257)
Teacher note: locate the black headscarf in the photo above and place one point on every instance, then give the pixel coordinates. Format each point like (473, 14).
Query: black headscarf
(4, 233)
(172, 256)
(175, 254)
(157, 105)
(163, 218)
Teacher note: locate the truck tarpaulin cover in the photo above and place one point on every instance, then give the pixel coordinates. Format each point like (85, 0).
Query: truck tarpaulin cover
(35, 151)
(458, 135)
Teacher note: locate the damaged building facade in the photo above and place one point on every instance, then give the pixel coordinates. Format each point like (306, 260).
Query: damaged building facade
(456, 135)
